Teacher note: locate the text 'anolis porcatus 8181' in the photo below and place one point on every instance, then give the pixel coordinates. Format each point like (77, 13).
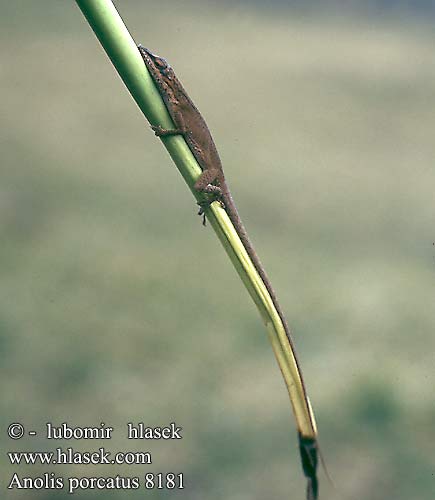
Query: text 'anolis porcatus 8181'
(191, 125)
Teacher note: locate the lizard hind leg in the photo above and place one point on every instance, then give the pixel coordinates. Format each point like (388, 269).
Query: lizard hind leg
(205, 181)
(204, 204)
(204, 185)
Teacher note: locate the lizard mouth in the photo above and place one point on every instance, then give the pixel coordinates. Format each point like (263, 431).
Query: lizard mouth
(147, 51)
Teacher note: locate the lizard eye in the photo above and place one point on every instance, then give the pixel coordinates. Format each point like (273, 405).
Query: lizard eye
(161, 63)
(163, 66)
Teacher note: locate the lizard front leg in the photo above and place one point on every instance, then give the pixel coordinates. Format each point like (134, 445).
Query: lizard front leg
(163, 132)
(179, 130)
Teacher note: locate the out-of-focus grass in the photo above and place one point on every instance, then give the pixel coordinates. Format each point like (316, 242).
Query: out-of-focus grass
(116, 305)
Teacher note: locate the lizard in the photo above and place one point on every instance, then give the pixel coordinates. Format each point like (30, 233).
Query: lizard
(191, 125)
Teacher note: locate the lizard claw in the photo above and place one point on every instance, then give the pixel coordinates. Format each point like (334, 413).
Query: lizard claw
(205, 204)
(158, 130)
(202, 206)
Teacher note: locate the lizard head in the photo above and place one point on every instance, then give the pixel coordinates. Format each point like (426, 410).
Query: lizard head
(157, 66)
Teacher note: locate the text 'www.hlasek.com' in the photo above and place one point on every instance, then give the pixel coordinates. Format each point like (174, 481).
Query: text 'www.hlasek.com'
(83, 460)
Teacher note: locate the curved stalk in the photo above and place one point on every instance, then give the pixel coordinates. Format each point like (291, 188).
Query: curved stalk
(121, 49)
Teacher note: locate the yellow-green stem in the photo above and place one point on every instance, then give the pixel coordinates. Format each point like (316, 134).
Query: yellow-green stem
(122, 51)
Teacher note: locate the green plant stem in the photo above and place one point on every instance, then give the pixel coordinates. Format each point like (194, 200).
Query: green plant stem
(122, 51)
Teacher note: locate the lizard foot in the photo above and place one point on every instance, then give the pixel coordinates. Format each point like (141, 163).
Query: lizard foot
(162, 132)
(202, 206)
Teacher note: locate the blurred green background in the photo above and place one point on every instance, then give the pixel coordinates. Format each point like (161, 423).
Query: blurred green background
(118, 306)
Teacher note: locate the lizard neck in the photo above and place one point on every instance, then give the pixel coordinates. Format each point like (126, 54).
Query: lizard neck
(170, 93)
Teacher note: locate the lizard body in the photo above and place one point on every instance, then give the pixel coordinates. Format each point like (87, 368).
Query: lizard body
(191, 125)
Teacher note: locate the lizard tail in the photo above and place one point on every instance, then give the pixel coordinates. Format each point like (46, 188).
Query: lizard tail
(307, 444)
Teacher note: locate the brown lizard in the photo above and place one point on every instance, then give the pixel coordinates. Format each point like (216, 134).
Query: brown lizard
(191, 125)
